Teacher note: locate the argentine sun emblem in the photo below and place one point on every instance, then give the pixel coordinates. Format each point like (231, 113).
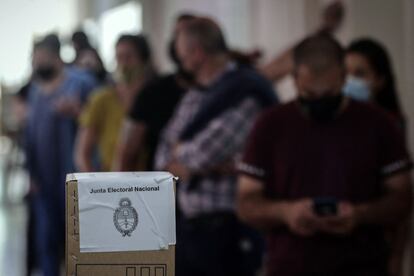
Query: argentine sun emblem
(125, 217)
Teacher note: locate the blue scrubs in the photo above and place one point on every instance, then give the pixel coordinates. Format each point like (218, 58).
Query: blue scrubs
(50, 138)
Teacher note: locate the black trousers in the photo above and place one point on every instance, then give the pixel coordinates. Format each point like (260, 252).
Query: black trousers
(217, 244)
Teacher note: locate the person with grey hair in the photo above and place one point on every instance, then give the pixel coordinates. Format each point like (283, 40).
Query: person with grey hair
(200, 145)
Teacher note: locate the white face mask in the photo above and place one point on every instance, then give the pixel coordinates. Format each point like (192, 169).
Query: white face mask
(357, 89)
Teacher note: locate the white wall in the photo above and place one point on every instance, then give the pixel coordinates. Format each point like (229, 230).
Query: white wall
(23, 20)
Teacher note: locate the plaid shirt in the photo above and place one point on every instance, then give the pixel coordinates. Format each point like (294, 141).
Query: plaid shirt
(221, 141)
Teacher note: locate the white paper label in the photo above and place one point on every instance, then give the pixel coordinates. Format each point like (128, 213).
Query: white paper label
(126, 211)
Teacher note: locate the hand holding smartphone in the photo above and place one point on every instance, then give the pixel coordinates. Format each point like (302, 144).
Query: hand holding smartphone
(325, 206)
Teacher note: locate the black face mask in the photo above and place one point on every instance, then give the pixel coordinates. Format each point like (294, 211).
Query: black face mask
(323, 109)
(188, 76)
(45, 72)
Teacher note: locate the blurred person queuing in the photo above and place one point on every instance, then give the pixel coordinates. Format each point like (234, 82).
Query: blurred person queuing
(199, 145)
(55, 99)
(325, 147)
(20, 113)
(155, 104)
(87, 58)
(102, 118)
(370, 78)
(90, 62)
(152, 109)
(20, 109)
(72, 104)
(80, 42)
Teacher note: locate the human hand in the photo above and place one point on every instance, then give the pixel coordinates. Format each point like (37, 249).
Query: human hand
(179, 170)
(70, 107)
(343, 223)
(332, 16)
(300, 218)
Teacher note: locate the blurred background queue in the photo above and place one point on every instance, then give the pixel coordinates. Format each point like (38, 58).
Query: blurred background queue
(179, 85)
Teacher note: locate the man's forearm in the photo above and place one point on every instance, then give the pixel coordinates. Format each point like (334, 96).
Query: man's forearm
(129, 145)
(83, 159)
(125, 159)
(84, 164)
(387, 211)
(262, 213)
(393, 207)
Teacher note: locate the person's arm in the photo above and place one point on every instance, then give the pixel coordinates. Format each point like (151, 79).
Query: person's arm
(279, 67)
(253, 205)
(255, 209)
(90, 125)
(398, 242)
(393, 207)
(282, 65)
(69, 106)
(389, 210)
(217, 143)
(85, 142)
(129, 145)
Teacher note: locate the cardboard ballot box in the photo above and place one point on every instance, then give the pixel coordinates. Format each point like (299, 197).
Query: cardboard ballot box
(120, 224)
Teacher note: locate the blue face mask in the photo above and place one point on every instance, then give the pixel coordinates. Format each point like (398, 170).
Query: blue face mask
(357, 89)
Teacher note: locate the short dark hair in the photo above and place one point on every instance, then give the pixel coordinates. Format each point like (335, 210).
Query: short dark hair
(140, 44)
(81, 39)
(50, 42)
(319, 52)
(207, 33)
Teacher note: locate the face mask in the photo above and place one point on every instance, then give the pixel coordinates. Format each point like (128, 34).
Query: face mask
(128, 75)
(357, 89)
(45, 72)
(323, 109)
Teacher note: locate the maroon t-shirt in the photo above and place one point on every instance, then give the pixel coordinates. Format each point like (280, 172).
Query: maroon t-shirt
(347, 158)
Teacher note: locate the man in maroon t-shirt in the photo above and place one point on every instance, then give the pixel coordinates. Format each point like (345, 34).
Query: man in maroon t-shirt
(324, 175)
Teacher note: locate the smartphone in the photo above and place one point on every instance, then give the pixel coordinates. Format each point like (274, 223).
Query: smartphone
(325, 206)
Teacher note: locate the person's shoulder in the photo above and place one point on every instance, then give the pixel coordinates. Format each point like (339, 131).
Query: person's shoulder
(370, 111)
(80, 77)
(103, 94)
(375, 116)
(159, 85)
(247, 78)
(248, 75)
(78, 74)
